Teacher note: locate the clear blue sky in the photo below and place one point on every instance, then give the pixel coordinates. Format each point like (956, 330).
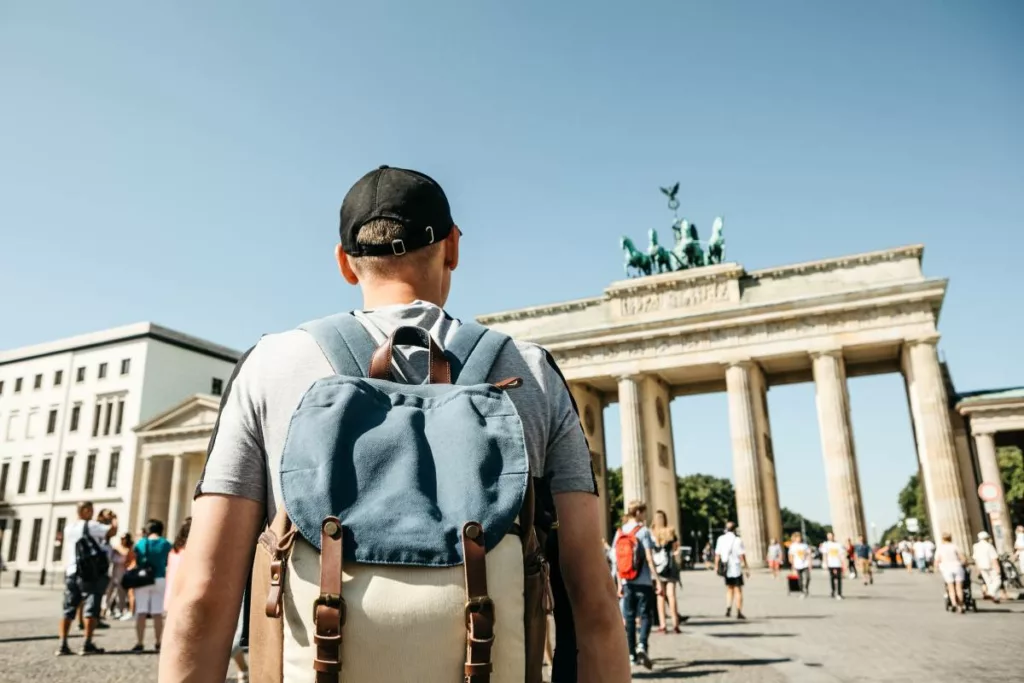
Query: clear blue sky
(183, 162)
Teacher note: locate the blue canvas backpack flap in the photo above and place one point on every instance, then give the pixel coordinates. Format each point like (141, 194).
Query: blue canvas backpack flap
(408, 489)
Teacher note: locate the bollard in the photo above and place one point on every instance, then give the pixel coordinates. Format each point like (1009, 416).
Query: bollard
(42, 577)
(17, 577)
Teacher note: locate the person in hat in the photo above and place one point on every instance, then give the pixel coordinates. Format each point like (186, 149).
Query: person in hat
(986, 559)
(400, 245)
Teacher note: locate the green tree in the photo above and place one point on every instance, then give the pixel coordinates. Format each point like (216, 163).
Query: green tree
(815, 530)
(704, 501)
(615, 502)
(1011, 467)
(912, 503)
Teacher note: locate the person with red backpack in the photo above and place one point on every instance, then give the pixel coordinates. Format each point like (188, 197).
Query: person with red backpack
(638, 580)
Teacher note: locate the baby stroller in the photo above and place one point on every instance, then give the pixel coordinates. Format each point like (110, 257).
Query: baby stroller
(969, 602)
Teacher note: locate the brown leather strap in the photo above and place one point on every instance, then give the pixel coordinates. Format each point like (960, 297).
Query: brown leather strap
(329, 609)
(380, 362)
(278, 539)
(479, 606)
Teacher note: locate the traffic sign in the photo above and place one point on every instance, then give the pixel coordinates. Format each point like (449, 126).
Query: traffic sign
(988, 491)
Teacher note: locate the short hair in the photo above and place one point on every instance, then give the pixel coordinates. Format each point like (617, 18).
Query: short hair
(381, 231)
(947, 537)
(730, 526)
(155, 526)
(635, 506)
(83, 506)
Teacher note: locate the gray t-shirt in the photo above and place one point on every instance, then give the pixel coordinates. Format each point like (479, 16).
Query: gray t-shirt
(270, 380)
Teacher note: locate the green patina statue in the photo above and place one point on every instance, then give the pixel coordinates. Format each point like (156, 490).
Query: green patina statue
(687, 252)
(661, 258)
(635, 259)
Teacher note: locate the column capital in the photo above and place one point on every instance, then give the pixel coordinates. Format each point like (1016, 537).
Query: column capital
(990, 433)
(635, 377)
(740, 363)
(929, 339)
(822, 353)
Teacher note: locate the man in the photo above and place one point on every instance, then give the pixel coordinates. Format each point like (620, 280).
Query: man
(929, 554)
(834, 558)
(986, 559)
(800, 560)
(638, 594)
(862, 551)
(920, 558)
(85, 577)
(400, 245)
(729, 551)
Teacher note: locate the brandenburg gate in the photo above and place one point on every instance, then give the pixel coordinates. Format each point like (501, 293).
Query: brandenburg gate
(717, 328)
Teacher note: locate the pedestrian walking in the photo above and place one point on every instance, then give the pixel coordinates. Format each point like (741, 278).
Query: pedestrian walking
(1018, 546)
(862, 551)
(666, 541)
(86, 575)
(986, 559)
(920, 555)
(800, 561)
(639, 583)
(774, 557)
(950, 563)
(731, 563)
(151, 551)
(929, 554)
(428, 480)
(834, 560)
(118, 606)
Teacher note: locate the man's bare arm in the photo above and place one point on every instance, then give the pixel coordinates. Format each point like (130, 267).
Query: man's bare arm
(655, 578)
(603, 656)
(208, 589)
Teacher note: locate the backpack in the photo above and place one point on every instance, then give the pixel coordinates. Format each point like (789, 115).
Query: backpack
(627, 554)
(404, 545)
(91, 560)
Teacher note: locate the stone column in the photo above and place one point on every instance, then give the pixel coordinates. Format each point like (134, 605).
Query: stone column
(174, 502)
(142, 511)
(845, 505)
(590, 404)
(660, 467)
(936, 450)
(765, 455)
(634, 473)
(997, 510)
(965, 461)
(746, 468)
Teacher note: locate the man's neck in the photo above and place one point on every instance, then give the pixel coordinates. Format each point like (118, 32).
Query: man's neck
(384, 294)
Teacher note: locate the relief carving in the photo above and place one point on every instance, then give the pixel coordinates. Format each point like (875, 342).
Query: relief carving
(670, 299)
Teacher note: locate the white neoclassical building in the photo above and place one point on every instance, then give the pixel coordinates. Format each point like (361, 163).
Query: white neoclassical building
(721, 328)
(67, 413)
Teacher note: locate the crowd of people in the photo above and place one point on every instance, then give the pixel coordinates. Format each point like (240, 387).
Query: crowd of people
(112, 576)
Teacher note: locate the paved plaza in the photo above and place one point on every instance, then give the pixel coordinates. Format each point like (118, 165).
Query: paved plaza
(893, 631)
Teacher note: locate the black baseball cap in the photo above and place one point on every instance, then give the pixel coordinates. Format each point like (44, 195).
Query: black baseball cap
(411, 198)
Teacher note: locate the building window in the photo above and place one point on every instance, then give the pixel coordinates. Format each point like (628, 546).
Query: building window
(216, 386)
(12, 424)
(12, 549)
(120, 416)
(80, 375)
(69, 468)
(5, 469)
(58, 539)
(106, 418)
(102, 371)
(126, 364)
(90, 470)
(58, 378)
(30, 424)
(115, 460)
(33, 548)
(37, 383)
(17, 386)
(76, 412)
(23, 477)
(1, 387)
(96, 419)
(51, 422)
(44, 475)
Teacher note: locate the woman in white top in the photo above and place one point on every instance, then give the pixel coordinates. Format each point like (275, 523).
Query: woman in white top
(950, 563)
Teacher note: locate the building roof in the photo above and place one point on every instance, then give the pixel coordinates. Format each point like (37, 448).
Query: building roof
(990, 396)
(118, 335)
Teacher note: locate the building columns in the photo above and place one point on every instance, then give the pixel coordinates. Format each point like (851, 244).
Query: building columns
(634, 470)
(142, 511)
(766, 455)
(590, 404)
(997, 510)
(174, 502)
(746, 464)
(936, 449)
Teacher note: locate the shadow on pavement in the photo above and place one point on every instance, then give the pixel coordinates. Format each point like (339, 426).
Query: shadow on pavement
(674, 672)
(30, 639)
(799, 616)
(752, 635)
(720, 622)
(739, 662)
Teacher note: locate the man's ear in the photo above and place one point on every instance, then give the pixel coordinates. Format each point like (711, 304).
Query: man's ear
(345, 267)
(451, 248)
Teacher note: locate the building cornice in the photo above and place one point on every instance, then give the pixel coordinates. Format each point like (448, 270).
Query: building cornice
(915, 251)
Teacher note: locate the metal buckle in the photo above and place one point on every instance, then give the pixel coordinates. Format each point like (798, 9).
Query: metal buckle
(481, 605)
(396, 245)
(331, 600)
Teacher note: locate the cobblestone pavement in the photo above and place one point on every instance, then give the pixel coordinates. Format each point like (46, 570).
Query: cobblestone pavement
(894, 631)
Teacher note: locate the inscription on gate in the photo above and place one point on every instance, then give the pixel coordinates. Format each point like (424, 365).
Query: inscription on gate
(671, 299)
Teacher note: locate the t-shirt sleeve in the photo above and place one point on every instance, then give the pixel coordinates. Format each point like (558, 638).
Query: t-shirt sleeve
(236, 457)
(567, 461)
(645, 538)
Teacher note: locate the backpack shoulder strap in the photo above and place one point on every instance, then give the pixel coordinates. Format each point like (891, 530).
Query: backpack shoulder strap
(473, 351)
(344, 341)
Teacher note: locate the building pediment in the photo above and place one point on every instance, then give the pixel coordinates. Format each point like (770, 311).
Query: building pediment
(196, 413)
